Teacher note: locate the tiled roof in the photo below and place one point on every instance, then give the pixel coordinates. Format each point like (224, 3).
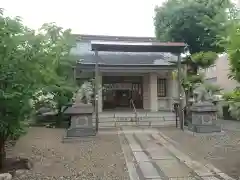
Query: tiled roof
(126, 58)
(86, 56)
(85, 37)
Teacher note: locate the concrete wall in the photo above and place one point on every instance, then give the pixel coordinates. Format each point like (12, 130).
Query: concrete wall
(223, 71)
(220, 73)
(150, 100)
(166, 103)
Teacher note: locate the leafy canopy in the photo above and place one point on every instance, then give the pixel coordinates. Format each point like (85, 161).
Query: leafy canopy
(231, 43)
(195, 22)
(59, 43)
(23, 70)
(31, 62)
(198, 23)
(232, 46)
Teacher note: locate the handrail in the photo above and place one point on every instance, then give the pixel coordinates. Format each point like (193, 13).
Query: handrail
(134, 109)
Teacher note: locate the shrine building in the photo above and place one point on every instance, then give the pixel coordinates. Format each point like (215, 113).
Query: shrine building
(129, 74)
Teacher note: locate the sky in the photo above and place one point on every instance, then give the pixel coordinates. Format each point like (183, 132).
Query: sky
(96, 17)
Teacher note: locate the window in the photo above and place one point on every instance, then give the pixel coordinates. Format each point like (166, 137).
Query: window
(210, 69)
(81, 48)
(211, 80)
(214, 68)
(161, 87)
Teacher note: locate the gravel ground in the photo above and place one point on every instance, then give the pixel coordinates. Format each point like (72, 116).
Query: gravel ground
(220, 150)
(92, 158)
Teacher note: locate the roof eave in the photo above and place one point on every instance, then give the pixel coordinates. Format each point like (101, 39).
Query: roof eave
(176, 47)
(124, 65)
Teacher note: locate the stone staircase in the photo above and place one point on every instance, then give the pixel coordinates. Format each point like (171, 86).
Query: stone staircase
(151, 119)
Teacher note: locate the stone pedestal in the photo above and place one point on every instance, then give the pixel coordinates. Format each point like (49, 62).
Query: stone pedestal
(81, 121)
(204, 118)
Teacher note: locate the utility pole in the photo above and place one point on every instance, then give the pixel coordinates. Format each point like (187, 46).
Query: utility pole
(96, 89)
(180, 94)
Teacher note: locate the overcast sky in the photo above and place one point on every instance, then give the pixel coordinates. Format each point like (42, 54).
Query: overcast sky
(100, 17)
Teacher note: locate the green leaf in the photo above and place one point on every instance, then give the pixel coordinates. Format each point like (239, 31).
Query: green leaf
(33, 64)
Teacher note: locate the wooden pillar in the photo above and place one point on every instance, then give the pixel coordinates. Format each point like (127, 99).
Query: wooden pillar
(96, 89)
(180, 93)
(153, 92)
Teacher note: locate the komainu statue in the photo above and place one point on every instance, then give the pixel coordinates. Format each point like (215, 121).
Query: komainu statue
(84, 94)
(201, 93)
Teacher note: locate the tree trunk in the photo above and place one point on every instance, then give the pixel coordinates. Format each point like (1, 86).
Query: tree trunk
(2, 152)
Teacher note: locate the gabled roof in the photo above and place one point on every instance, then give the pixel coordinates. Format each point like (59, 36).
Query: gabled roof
(116, 58)
(122, 58)
(84, 37)
(116, 46)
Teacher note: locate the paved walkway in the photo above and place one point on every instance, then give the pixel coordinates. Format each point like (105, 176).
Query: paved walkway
(151, 156)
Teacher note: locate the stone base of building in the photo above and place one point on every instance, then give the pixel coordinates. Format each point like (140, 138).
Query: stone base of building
(204, 128)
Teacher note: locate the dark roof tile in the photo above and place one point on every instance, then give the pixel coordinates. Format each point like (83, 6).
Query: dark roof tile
(126, 58)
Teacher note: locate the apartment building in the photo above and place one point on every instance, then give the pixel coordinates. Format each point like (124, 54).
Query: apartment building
(218, 74)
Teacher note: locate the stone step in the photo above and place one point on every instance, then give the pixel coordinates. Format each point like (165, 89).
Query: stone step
(134, 120)
(139, 118)
(144, 124)
(81, 132)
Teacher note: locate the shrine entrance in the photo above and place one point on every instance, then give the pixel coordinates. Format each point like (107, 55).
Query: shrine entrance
(118, 91)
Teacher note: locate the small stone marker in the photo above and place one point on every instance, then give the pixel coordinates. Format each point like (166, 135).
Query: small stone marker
(81, 121)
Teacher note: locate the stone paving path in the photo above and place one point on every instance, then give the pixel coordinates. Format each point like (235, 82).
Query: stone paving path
(151, 156)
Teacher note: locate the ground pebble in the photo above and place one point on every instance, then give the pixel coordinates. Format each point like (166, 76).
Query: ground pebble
(94, 158)
(5, 176)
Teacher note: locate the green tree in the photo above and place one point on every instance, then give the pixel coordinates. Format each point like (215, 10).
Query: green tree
(195, 22)
(212, 89)
(198, 23)
(231, 43)
(232, 46)
(58, 43)
(23, 71)
(30, 63)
